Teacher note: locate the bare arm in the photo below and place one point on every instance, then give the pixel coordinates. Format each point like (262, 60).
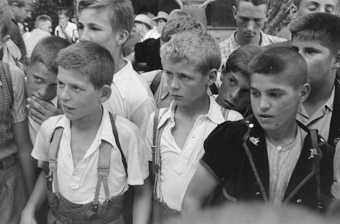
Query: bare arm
(197, 192)
(28, 163)
(40, 110)
(35, 201)
(142, 202)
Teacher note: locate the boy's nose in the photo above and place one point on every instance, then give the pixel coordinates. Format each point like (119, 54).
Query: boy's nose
(83, 36)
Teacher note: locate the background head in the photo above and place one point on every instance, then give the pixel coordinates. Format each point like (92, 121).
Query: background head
(175, 26)
(44, 22)
(161, 19)
(301, 8)
(187, 47)
(42, 73)
(5, 22)
(321, 27)
(90, 60)
(64, 15)
(278, 82)
(142, 24)
(21, 9)
(119, 11)
(234, 92)
(178, 13)
(250, 16)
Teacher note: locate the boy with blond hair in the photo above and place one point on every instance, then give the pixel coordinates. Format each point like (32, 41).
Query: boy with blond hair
(192, 115)
(93, 156)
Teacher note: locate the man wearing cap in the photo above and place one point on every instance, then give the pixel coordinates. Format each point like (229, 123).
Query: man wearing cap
(161, 19)
(21, 10)
(143, 27)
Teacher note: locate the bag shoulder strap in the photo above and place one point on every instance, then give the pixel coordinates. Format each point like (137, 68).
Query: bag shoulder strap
(115, 133)
(9, 80)
(155, 82)
(316, 159)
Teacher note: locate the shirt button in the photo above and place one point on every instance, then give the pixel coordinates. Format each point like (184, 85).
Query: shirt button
(279, 148)
(274, 177)
(299, 201)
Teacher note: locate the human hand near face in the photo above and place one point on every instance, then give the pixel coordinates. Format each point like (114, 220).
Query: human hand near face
(62, 24)
(40, 110)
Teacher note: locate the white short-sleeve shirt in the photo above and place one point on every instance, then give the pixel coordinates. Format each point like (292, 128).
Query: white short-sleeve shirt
(78, 183)
(131, 97)
(180, 165)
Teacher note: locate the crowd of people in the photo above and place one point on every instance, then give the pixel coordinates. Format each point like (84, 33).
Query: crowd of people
(242, 131)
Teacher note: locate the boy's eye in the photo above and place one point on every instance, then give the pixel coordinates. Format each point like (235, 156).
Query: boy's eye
(37, 79)
(168, 73)
(312, 7)
(76, 88)
(310, 52)
(232, 82)
(329, 9)
(255, 94)
(275, 95)
(60, 84)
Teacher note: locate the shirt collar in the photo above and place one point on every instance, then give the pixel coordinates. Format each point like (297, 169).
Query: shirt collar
(104, 131)
(214, 114)
(262, 36)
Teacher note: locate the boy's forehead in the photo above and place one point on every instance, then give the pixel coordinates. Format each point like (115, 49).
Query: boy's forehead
(270, 81)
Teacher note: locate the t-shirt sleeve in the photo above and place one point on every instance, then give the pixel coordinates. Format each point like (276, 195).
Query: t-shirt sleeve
(18, 111)
(336, 185)
(149, 137)
(138, 166)
(141, 50)
(42, 142)
(221, 148)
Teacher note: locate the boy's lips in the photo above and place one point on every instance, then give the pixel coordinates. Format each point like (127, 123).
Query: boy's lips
(66, 107)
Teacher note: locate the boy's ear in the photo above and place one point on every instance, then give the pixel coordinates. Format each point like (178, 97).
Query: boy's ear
(293, 10)
(305, 91)
(106, 93)
(337, 60)
(234, 11)
(268, 13)
(122, 37)
(212, 76)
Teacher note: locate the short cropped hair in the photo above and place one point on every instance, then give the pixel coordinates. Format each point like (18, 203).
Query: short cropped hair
(283, 62)
(120, 11)
(238, 60)
(194, 47)
(177, 13)
(5, 18)
(88, 59)
(64, 12)
(20, 3)
(322, 27)
(46, 52)
(43, 18)
(254, 2)
(176, 26)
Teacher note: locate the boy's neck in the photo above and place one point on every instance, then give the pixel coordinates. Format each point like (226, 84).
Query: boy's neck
(200, 107)
(284, 135)
(90, 122)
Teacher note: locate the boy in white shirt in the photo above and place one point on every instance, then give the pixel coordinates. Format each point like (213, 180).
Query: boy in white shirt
(83, 148)
(190, 61)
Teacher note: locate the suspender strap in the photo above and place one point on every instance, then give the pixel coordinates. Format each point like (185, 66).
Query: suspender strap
(153, 147)
(52, 157)
(317, 158)
(157, 161)
(103, 170)
(115, 133)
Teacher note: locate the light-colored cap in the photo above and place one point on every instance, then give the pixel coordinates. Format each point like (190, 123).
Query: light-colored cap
(161, 15)
(144, 19)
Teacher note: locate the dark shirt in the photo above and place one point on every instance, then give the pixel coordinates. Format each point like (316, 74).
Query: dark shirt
(231, 158)
(16, 37)
(148, 52)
